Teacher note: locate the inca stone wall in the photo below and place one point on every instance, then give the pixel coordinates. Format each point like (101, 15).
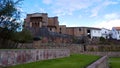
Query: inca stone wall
(10, 57)
(74, 48)
(109, 54)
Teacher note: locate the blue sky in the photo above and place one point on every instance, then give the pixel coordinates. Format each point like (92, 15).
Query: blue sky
(76, 13)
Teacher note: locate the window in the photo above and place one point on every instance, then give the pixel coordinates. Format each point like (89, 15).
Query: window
(88, 31)
(94, 31)
(60, 28)
(79, 29)
(99, 31)
(118, 32)
(105, 32)
(50, 29)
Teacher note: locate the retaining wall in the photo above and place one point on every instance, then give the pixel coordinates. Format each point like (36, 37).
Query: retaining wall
(13, 57)
(110, 54)
(101, 63)
(74, 48)
(103, 48)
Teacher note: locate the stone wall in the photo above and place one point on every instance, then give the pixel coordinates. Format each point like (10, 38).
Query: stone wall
(101, 63)
(103, 48)
(74, 48)
(110, 54)
(12, 57)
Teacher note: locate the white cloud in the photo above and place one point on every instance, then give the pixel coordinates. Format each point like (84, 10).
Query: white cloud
(67, 7)
(69, 24)
(80, 16)
(101, 6)
(107, 2)
(108, 24)
(47, 2)
(95, 11)
(37, 9)
(112, 16)
(19, 9)
(42, 10)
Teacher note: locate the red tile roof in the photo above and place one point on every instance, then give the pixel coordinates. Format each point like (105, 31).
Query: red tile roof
(117, 28)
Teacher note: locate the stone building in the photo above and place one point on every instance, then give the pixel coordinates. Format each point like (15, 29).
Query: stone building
(53, 24)
(36, 20)
(62, 29)
(77, 31)
(48, 28)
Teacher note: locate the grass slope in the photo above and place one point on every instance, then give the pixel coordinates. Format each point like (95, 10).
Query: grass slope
(74, 61)
(114, 62)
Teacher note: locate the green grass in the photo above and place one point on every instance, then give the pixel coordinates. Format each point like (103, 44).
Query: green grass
(74, 61)
(114, 62)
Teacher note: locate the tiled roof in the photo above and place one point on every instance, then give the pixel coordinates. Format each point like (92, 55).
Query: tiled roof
(117, 28)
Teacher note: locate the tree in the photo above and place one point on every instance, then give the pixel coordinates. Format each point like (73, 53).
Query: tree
(9, 16)
(103, 40)
(9, 8)
(24, 36)
(85, 42)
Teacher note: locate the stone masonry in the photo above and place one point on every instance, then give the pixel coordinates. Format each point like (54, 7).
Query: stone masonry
(12, 57)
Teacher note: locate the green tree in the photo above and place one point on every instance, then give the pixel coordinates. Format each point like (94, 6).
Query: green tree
(103, 40)
(9, 8)
(24, 36)
(8, 21)
(85, 41)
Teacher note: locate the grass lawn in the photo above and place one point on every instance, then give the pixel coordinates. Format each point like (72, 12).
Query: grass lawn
(74, 61)
(114, 62)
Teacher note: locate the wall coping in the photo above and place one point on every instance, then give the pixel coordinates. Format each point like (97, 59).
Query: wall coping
(98, 62)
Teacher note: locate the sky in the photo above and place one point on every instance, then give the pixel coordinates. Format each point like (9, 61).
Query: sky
(77, 13)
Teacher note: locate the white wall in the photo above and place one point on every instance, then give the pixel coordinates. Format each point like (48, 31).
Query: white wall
(115, 34)
(105, 33)
(95, 33)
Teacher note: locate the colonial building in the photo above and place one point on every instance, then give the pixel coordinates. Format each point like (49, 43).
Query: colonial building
(95, 33)
(106, 33)
(116, 33)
